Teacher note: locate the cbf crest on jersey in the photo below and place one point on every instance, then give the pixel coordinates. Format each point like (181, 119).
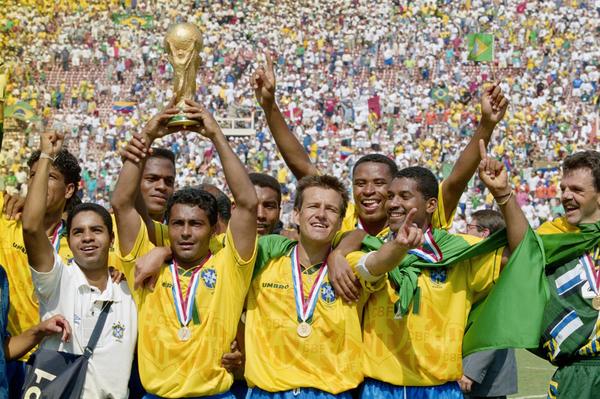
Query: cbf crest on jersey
(438, 276)
(118, 330)
(327, 293)
(209, 277)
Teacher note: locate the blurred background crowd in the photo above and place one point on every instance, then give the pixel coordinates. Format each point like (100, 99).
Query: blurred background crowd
(353, 77)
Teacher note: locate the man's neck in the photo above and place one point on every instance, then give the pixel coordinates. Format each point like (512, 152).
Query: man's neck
(374, 227)
(96, 277)
(312, 253)
(157, 217)
(51, 220)
(193, 263)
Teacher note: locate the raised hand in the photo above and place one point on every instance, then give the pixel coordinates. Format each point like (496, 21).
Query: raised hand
(263, 83)
(410, 235)
(493, 173)
(208, 127)
(493, 105)
(135, 150)
(51, 143)
(157, 126)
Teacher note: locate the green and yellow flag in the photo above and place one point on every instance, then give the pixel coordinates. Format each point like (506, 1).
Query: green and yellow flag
(141, 21)
(21, 110)
(481, 47)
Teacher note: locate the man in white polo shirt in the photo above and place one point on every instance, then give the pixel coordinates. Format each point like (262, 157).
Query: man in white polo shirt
(80, 290)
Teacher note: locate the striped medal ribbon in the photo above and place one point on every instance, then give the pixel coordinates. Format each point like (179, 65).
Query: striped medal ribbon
(184, 305)
(55, 239)
(429, 252)
(305, 308)
(593, 277)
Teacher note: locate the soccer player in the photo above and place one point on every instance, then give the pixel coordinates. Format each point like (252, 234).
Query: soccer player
(314, 339)
(80, 291)
(23, 313)
(372, 173)
(190, 319)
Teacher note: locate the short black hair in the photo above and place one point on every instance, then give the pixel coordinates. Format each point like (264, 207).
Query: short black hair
(322, 181)
(194, 197)
(427, 184)
(584, 160)
(489, 219)
(158, 152)
(377, 158)
(223, 201)
(266, 181)
(66, 163)
(91, 207)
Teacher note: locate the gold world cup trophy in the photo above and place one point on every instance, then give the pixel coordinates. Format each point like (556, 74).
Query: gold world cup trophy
(183, 44)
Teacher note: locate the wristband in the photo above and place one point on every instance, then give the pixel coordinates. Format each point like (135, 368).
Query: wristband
(508, 197)
(364, 273)
(43, 155)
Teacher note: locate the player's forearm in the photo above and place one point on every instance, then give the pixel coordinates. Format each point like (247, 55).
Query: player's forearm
(35, 203)
(236, 176)
(18, 346)
(516, 222)
(350, 242)
(385, 258)
(127, 187)
(290, 148)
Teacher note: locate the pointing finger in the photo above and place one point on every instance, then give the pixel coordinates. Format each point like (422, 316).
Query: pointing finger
(482, 149)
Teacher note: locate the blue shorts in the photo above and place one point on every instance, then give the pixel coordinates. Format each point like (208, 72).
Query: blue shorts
(374, 389)
(300, 393)
(224, 395)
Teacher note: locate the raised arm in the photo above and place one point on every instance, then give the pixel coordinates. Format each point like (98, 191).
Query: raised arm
(263, 83)
(243, 216)
(123, 201)
(40, 253)
(493, 108)
(392, 252)
(493, 174)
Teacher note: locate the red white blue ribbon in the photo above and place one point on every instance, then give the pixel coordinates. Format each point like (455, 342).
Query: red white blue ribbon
(55, 239)
(429, 252)
(305, 309)
(184, 305)
(593, 275)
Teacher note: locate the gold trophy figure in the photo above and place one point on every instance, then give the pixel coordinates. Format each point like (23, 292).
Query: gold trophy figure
(183, 44)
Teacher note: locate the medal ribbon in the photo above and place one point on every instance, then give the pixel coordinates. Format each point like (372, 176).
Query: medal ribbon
(305, 309)
(429, 252)
(58, 231)
(590, 270)
(184, 305)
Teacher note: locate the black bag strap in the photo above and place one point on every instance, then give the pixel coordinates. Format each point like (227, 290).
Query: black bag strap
(89, 349)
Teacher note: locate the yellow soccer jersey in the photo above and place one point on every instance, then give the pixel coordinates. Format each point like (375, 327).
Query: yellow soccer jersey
(425, 349)
(172, 368)
(277, 358)
(438, 220)
(24, 309)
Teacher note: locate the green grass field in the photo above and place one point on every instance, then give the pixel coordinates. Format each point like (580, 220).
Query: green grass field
(534, 374)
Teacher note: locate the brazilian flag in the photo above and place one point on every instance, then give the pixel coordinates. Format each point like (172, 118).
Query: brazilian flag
(142, 21)
(481, 47)
(22, 111)
(439, 94)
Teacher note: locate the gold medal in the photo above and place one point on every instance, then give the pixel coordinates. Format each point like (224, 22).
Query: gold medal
(304, 329)
(596, 302)
(184, 334)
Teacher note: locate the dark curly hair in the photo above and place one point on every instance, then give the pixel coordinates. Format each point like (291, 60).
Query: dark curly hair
(194, 197)
(91, 207)
(66, 163)
(427, 183)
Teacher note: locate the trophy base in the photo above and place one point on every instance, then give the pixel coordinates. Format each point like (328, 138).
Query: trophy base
(182, 120)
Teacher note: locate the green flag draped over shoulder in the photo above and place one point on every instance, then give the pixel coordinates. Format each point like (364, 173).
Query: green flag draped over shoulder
(455, 248)
(511, 315)
(481, 47)
(271, 246)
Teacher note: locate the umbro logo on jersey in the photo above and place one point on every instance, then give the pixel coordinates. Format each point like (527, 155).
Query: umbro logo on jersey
(19, 247)
(275, 285)
(167, 285)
